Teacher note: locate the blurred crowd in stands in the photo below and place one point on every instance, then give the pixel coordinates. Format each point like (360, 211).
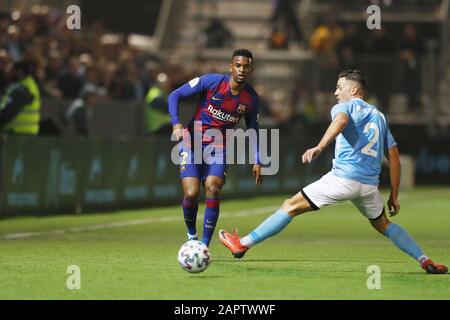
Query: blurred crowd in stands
(94, 64)
(391, 57)
(67, 61)
(84, 67)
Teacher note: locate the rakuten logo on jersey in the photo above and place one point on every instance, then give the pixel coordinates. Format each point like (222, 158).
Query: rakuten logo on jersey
(222, 116)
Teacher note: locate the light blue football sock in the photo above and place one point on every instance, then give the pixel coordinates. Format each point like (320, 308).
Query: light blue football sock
(403, 240)
(271, 226)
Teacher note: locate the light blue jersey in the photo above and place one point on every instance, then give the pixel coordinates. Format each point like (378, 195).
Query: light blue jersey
(361, 146)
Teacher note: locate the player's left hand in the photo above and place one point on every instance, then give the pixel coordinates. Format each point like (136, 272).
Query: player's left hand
(311, 154)
(393, 206)
(257, 174)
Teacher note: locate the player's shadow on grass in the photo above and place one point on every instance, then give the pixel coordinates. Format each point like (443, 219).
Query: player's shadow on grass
(418, 273)
(228, 260)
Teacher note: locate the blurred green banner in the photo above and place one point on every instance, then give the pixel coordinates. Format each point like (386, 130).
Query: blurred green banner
(43, 175)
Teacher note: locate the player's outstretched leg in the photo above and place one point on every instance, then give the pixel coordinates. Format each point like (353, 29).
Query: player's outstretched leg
(402, 240)
(270, 227)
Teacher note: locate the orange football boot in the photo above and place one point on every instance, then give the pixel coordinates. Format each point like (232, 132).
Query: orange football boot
(233, 243)
(433, 268)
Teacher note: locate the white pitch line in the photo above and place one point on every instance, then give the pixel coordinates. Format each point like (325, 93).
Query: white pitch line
(229, 214)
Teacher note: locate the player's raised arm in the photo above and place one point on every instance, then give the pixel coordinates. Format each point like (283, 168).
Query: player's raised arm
(336, 127)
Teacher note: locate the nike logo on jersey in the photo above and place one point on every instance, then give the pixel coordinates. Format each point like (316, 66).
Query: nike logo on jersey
(214, 98)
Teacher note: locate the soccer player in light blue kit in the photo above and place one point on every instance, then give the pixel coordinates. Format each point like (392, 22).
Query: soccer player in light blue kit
(362, 138)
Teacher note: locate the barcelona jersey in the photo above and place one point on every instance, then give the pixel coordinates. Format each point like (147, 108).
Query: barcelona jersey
(217, 107)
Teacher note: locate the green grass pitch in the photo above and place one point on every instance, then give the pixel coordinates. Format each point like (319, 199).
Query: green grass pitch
(132, 254)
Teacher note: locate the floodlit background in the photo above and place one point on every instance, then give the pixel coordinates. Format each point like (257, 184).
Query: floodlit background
(102, 151)
(96, 83)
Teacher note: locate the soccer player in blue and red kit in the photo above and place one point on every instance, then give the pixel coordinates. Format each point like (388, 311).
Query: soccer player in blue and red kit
(224, 99)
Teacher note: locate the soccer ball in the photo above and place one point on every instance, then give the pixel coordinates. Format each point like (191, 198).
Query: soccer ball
(194, 256)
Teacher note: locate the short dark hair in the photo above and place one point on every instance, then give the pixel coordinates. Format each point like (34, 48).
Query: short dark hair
(242, 53)
(354, 75)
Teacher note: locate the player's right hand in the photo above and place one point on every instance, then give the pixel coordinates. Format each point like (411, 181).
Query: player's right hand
(393, 206)
(257, 174)
(177, 132)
